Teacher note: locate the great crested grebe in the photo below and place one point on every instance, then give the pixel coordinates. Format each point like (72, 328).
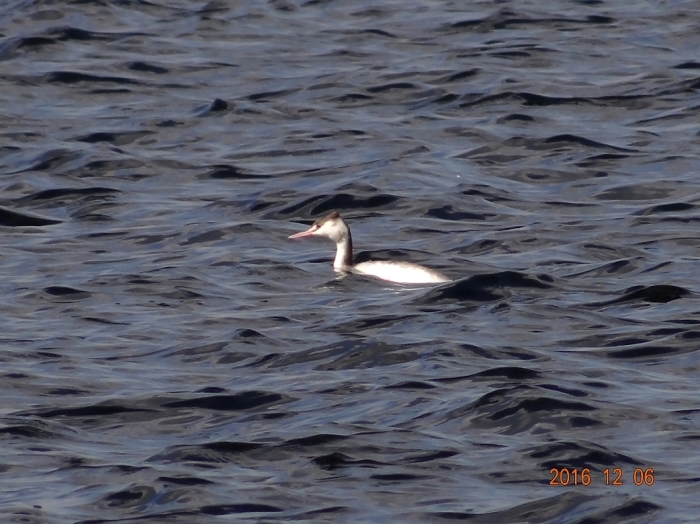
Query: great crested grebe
(335, 228)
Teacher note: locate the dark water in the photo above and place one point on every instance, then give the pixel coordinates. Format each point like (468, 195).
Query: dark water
(169, 356)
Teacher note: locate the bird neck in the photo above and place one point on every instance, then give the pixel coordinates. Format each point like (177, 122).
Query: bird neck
(343, 254)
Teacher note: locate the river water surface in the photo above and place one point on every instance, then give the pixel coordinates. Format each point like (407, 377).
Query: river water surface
(167, 355)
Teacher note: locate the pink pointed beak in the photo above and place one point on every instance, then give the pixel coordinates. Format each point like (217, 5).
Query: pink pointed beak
(301, 234)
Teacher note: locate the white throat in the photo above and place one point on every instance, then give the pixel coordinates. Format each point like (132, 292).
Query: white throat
(343, 254)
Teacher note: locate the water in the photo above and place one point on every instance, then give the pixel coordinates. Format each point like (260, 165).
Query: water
(168, 355)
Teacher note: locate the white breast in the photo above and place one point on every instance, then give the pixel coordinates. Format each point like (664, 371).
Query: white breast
(400, 272)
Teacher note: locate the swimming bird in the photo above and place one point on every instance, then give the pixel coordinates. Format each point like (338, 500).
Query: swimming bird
(335, 228)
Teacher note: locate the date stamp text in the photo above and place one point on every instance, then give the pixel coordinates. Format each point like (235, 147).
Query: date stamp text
(608, 477)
